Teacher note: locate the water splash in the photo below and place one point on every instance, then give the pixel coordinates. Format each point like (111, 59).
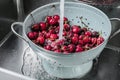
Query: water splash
(33, 68)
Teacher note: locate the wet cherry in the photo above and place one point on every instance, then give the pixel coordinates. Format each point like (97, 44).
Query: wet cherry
(53, 36)
(31, 35)
(56, 17)
(42, 26)
(52, 21)
(75, 29)
(41, 40)
(74, 40)
(35, 27)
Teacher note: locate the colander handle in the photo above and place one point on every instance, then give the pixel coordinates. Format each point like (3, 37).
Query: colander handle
(15, 24)
(115, 27)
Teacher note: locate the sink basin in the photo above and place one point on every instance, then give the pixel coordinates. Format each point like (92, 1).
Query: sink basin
(13, 49)
(8, 14)
(5, 27)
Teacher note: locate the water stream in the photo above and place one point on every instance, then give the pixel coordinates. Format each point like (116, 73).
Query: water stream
(61, 18)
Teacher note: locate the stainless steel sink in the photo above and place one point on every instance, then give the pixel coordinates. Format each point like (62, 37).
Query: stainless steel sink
(8, 14)
(12, 49)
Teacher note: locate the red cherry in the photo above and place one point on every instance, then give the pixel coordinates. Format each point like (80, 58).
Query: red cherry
(53, 43)
(88, 33)
(64, 48)
(56, 17)
(75, 29)
(35, 34)
(41, 40)
(56, 47)
(81, 42)
(81, 37)
(100, 40)
(52, 31)
(53, 36)
(44, 32)
(86, 39)
(65, 19)
(31, 35)
(35, 27)
(79, 49)
(78, 45)
(43, 26)
(58, 51)
(60, 42)
(40, 34)
(93, 40)
(48, 47)
(70, 34)
(64, 33)
(52, 21)
(71, 47)
(66, 27)
(75, 35)
(74, 40)
(49, 18)
(47, 35)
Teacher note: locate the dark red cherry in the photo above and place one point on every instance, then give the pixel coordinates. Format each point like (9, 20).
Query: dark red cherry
(36, 27)
(52, 21)
(31, 35)
(56, 17)
(53, 36)
(74, 40)
(41, 40)
(43, 26)
(75, 29)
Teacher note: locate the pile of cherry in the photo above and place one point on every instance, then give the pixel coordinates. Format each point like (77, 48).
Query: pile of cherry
(75, 38)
